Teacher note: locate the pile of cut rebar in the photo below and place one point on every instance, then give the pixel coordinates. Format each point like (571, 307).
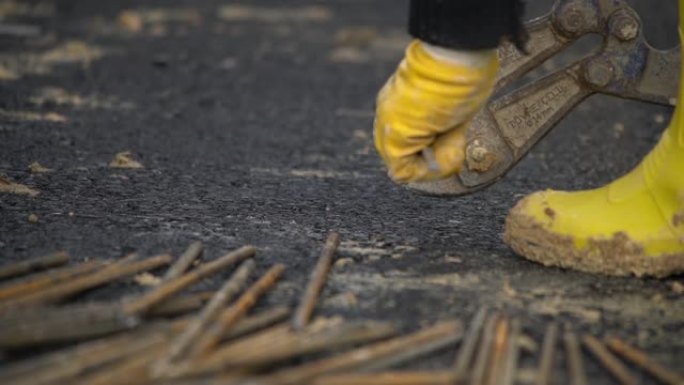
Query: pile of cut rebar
(165, 337)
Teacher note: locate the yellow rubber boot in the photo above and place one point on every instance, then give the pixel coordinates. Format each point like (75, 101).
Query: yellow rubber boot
(634, 225)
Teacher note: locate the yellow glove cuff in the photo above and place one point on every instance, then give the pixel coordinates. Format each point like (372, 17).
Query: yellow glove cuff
(423, 112)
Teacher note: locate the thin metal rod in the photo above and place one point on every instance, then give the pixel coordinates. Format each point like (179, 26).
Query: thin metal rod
(573, 352)
(212, 337)
(181, 305)
(29, 327)
(185, 261)
(317, 280)
(547, 355)
(609, 361)
(390, 378)
(500, 349)
(108, 274)
(232, 286)
(36, 282)
(166, 289)
(34, 264)
(479, 373)
(467, 350)
(512, 355)
(642, 360)
(362, 357)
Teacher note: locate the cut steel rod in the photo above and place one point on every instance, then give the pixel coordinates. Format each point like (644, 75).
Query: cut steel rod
(185, 261)
(30, 265)
(168, 288)
(390, 378)
(65, 364)
(289, 345)
(317, 280)
(575, 361)
(232, 287)
(226, 320)
(512, 355)
(547, 355)
(608, 360)
(467, 350)
(28, 327)
(181, 305)
(479, 372)
(642, 360)
(110, 273)
(39, 281)
(360, 358)
(500, 349)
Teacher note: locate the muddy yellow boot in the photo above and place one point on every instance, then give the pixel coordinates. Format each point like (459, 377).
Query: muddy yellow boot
(634, 225)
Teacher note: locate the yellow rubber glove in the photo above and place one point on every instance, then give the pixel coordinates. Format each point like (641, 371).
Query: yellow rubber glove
(424, 110)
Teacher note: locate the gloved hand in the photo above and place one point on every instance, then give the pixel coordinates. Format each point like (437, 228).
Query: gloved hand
(425, 108)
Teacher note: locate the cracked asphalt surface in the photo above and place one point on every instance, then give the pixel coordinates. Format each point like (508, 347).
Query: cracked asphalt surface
(254, 127)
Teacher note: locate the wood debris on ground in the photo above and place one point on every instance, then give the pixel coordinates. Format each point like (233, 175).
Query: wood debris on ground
(163, 337)
(125, 160)
(10, 187)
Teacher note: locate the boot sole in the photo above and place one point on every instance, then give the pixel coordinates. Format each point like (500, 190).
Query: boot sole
(618, 256)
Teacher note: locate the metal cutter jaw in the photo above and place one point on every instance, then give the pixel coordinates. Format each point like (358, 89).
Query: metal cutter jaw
(505, 130)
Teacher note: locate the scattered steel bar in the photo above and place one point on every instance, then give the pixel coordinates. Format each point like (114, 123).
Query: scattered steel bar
(390, 378)
(40, 326)
(512, 355)
(573, 352)
(609, 361)
(108, 274)
(279, 346)
(30, 265)
(185, 261)
(212, 337)
(166, 289)
(181, 305)
(65, 364)
(39, 281)
(362, 357)
(182, 343)
(642, 360)
(479, 373)
(465, 353)
(317, 280)
(500, 349)
(547, 354)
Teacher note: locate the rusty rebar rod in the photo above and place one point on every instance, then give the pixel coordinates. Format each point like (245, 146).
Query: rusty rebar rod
(181, 305)
(608, 360)
(499, 351)
(390, 378)
(66, 364)
(479, 373)
(166, 289)
(30, 265)
(286, 345)
(575, 362)
(232, 286)
(362, 357)
(512, 355)
(39, 281)
(547, 355)
(317, 280)
(212, 337)
(642, 360)
(29, 327)
(185, 261)
(465, 353)
(110, 273)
